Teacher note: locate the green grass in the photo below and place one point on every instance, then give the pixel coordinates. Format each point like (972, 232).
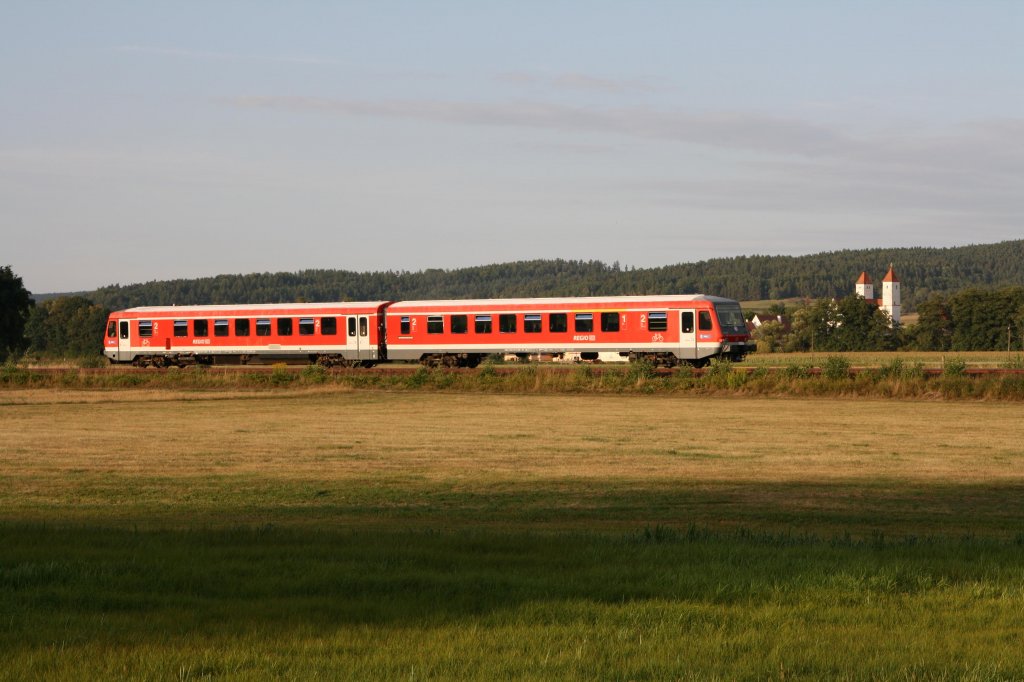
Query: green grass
(653, 604)
(264, 535)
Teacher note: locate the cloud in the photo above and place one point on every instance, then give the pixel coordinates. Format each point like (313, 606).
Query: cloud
(574, 81)
(222, 56)
(728, 130)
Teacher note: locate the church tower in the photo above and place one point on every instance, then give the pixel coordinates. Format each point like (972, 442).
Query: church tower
(864, 287)
(891, 295)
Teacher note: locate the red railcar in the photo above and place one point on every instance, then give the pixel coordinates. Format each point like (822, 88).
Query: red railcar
(662, 329)
(329, 333)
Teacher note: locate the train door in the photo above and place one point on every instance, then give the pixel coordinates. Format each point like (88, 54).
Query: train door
(365, 349)
(357, 335)
(123, 342)
(351, 338)
(688, 334)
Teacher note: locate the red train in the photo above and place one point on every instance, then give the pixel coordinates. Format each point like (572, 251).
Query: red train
(664, 330)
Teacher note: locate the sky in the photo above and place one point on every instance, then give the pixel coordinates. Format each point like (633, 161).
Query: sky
(157, 140)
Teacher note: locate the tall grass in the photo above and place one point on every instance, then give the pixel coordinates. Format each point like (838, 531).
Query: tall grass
(896, 378)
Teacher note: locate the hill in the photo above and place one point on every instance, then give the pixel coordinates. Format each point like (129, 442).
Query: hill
(923, 271)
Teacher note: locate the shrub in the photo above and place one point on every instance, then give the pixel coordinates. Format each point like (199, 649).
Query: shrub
(835, 368)
(314, 374)
(11, 373)
(93, 362)
(797, 371)
(281, 376)
(893, 369)
(419, 378)
(954, 367)
(641, 371)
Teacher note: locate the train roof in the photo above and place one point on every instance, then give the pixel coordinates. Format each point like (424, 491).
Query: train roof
(361, 305)
(575, 301)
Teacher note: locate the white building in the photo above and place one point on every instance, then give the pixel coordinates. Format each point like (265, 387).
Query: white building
(890, 301)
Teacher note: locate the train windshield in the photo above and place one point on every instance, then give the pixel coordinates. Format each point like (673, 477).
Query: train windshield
(730, 318)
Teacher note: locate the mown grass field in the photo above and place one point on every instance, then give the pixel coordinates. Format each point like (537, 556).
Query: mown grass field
(335, 533)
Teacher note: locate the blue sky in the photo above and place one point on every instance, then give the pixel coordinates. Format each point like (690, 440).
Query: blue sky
(143, 141)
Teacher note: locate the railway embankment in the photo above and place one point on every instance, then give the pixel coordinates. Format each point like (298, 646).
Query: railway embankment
(832, 376)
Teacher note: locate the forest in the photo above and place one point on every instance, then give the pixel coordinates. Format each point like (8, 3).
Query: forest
(925, 271)
(967, 298)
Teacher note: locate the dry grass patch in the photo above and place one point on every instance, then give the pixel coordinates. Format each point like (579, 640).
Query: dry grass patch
(555, 461)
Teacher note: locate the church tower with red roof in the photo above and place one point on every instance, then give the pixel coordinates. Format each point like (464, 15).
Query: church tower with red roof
(891, 295)
(864, 287)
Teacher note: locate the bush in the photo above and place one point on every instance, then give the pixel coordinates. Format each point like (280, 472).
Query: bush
(314, 374)
(641, 371)
(11, 373)
(954, 367)
(892, 370)
(93, 362)
(797, 372)
(281, 376)
(835, 368)
(419, 378)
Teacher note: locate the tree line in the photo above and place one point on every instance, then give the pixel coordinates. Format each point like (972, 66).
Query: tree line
(744, 278)
(970, 319)
(975, 300)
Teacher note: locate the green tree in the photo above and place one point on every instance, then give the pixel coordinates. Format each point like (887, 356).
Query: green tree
(863, 326)
(813, 326)
(846, 324)
(770, 337)
(15, 305)
(981, 317)
(934, 328)
(66, 327)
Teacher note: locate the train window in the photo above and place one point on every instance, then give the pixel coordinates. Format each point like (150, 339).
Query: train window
(405, 325)
(262, 327)
(558, 322)
(351, 326)
(284, 326)
(181, 327)
(531, 324)
(730, 318)
(201, 327)
(306, 326)
(111, 329)
(687, 321)
(220, 327)
(435, 324)
(507, 324)
(584, 322)
(482, 324)
(364, 326)
(328, 326)
(124, 329)
(704, 320)
(242, 327)
(459, 324)
(145, 328)
(657, 322)
(609, 322)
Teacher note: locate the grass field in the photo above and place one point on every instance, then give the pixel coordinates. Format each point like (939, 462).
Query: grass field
(297, 534)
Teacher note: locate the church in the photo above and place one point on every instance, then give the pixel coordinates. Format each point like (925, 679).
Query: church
(890, 300)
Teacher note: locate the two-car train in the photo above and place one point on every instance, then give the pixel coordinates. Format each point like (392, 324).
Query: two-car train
(664, 330)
